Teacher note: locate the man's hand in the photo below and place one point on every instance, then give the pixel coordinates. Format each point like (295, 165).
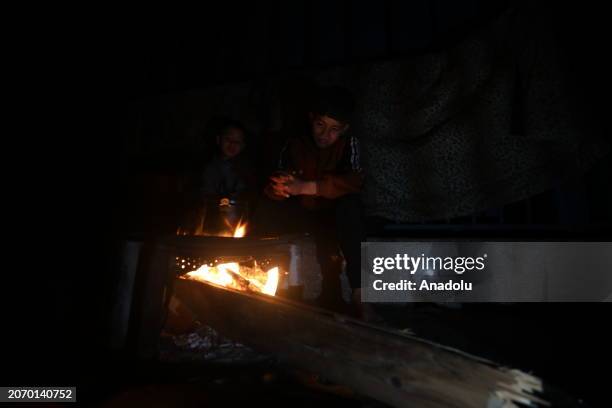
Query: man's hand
(281, 178)
(279, 189)
(298, 186)
(278, 185)
(286, 185)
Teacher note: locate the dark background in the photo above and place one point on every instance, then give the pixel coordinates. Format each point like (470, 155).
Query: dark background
(96, 65)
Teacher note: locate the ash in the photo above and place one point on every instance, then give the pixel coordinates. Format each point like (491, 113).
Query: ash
(207, 345)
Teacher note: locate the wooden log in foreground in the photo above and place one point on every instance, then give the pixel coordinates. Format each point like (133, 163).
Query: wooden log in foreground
(400, 370)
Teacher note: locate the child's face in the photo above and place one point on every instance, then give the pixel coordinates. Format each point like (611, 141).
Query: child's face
(231, 143)
(325, 130)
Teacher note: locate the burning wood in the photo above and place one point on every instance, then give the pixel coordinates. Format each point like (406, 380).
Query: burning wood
(232, 274)
(235, 276)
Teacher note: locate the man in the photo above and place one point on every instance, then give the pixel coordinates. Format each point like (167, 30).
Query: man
(320, 177)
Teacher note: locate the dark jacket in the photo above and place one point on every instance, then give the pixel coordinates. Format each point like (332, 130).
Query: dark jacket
(228, 178)
(336, 169)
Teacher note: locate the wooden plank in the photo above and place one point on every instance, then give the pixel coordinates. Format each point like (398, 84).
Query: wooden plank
(398, 369)
(148, 307)
(122, 293)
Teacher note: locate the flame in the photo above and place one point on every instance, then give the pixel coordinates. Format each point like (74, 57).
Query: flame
(240, 230)
(271, 283)
(244, 278)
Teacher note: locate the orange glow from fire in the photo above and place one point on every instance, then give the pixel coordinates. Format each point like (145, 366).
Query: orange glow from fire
(235, 276)
(240, 230)
(271, 283)
(236, 232)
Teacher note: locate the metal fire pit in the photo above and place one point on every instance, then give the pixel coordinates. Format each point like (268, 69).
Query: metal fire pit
(150, 268)
(398, 369)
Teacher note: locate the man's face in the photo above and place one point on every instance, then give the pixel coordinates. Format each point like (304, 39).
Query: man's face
(231, 143)
(325, 130)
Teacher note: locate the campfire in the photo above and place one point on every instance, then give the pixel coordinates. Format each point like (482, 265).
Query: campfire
(244, 276)
(237, 276)
(230, 286)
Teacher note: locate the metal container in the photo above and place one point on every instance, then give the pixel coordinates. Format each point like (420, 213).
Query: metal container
(220, 217)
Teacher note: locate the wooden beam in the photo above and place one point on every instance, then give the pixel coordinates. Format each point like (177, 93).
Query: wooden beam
(398, 369)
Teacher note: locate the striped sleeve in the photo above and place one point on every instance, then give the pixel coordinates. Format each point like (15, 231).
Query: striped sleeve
(351, 156)
(355, 154)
